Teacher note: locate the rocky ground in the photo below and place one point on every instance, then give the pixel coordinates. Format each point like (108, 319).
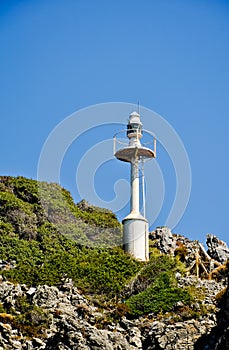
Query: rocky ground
(66, 320)
(75, 324)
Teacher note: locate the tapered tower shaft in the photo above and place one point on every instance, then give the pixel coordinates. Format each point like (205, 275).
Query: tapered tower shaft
(135, 226)
(134, 186)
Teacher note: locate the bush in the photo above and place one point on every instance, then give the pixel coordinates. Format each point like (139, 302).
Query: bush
(32, 322)
(43, 255)
(160, 297)
(54, 257)
(150, 271)
(30, 319)
(181, 251)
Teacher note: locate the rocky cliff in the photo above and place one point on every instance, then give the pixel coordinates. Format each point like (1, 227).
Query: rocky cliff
(62, 318)
(58, 291)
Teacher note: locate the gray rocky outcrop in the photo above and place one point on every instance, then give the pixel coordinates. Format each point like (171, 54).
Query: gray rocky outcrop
(180, 335)
(75, 324)
(175, 244)
(170, 243)
(217, 249)
(165, 240)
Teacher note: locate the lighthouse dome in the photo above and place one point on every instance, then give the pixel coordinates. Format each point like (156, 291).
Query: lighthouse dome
(134, 118)
(134, 127)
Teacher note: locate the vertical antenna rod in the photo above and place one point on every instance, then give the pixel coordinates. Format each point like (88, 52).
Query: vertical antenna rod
(143, 189)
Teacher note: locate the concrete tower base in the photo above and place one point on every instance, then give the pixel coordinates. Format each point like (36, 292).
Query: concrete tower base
(136, 236)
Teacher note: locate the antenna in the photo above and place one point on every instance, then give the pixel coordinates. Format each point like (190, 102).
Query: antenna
(138, 107)
(143, 188)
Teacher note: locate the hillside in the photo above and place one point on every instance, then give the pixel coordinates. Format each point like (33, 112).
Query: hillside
(67, 284)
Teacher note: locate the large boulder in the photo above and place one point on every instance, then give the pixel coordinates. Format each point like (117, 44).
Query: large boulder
(217, 249)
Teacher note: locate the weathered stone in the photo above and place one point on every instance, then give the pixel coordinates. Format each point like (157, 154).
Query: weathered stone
(165, 240)
(46, 296)
(135, 337)
(217, 249)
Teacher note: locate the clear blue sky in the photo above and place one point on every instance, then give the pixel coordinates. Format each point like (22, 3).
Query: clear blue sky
(58, 56)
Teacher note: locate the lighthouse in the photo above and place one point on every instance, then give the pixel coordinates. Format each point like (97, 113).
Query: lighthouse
(135, 225)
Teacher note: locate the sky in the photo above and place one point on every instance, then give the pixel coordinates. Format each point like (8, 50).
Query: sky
(60, 56)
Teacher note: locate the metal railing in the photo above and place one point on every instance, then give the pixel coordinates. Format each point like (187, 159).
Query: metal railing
(117, 141)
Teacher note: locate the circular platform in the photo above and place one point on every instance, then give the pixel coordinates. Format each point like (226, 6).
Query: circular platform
(127, 154)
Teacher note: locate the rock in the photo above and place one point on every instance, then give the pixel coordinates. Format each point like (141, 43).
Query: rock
(178, 275)
(217, 249)
(31, 291)
(179, 336)
(9, 293)
(46, 296)
(135, 337)
(74, 329)
(38, 343)
(83, 205)
(165, 240)
(7, 265)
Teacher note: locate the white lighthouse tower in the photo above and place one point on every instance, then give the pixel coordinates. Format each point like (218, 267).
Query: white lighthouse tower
(135, 225)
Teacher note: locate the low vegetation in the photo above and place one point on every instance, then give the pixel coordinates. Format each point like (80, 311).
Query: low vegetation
(49, 238)
(159, 297)
(52, 257)
(30, 319)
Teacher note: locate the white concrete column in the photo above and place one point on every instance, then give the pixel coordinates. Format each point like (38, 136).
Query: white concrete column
(134, 186)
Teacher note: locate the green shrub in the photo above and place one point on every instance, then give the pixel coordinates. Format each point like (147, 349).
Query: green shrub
(30, 319)
(6, 228)
(2, 309)
(43, 255)
(32, 322)
(160, 297)
(54, 257)
(151, 270)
